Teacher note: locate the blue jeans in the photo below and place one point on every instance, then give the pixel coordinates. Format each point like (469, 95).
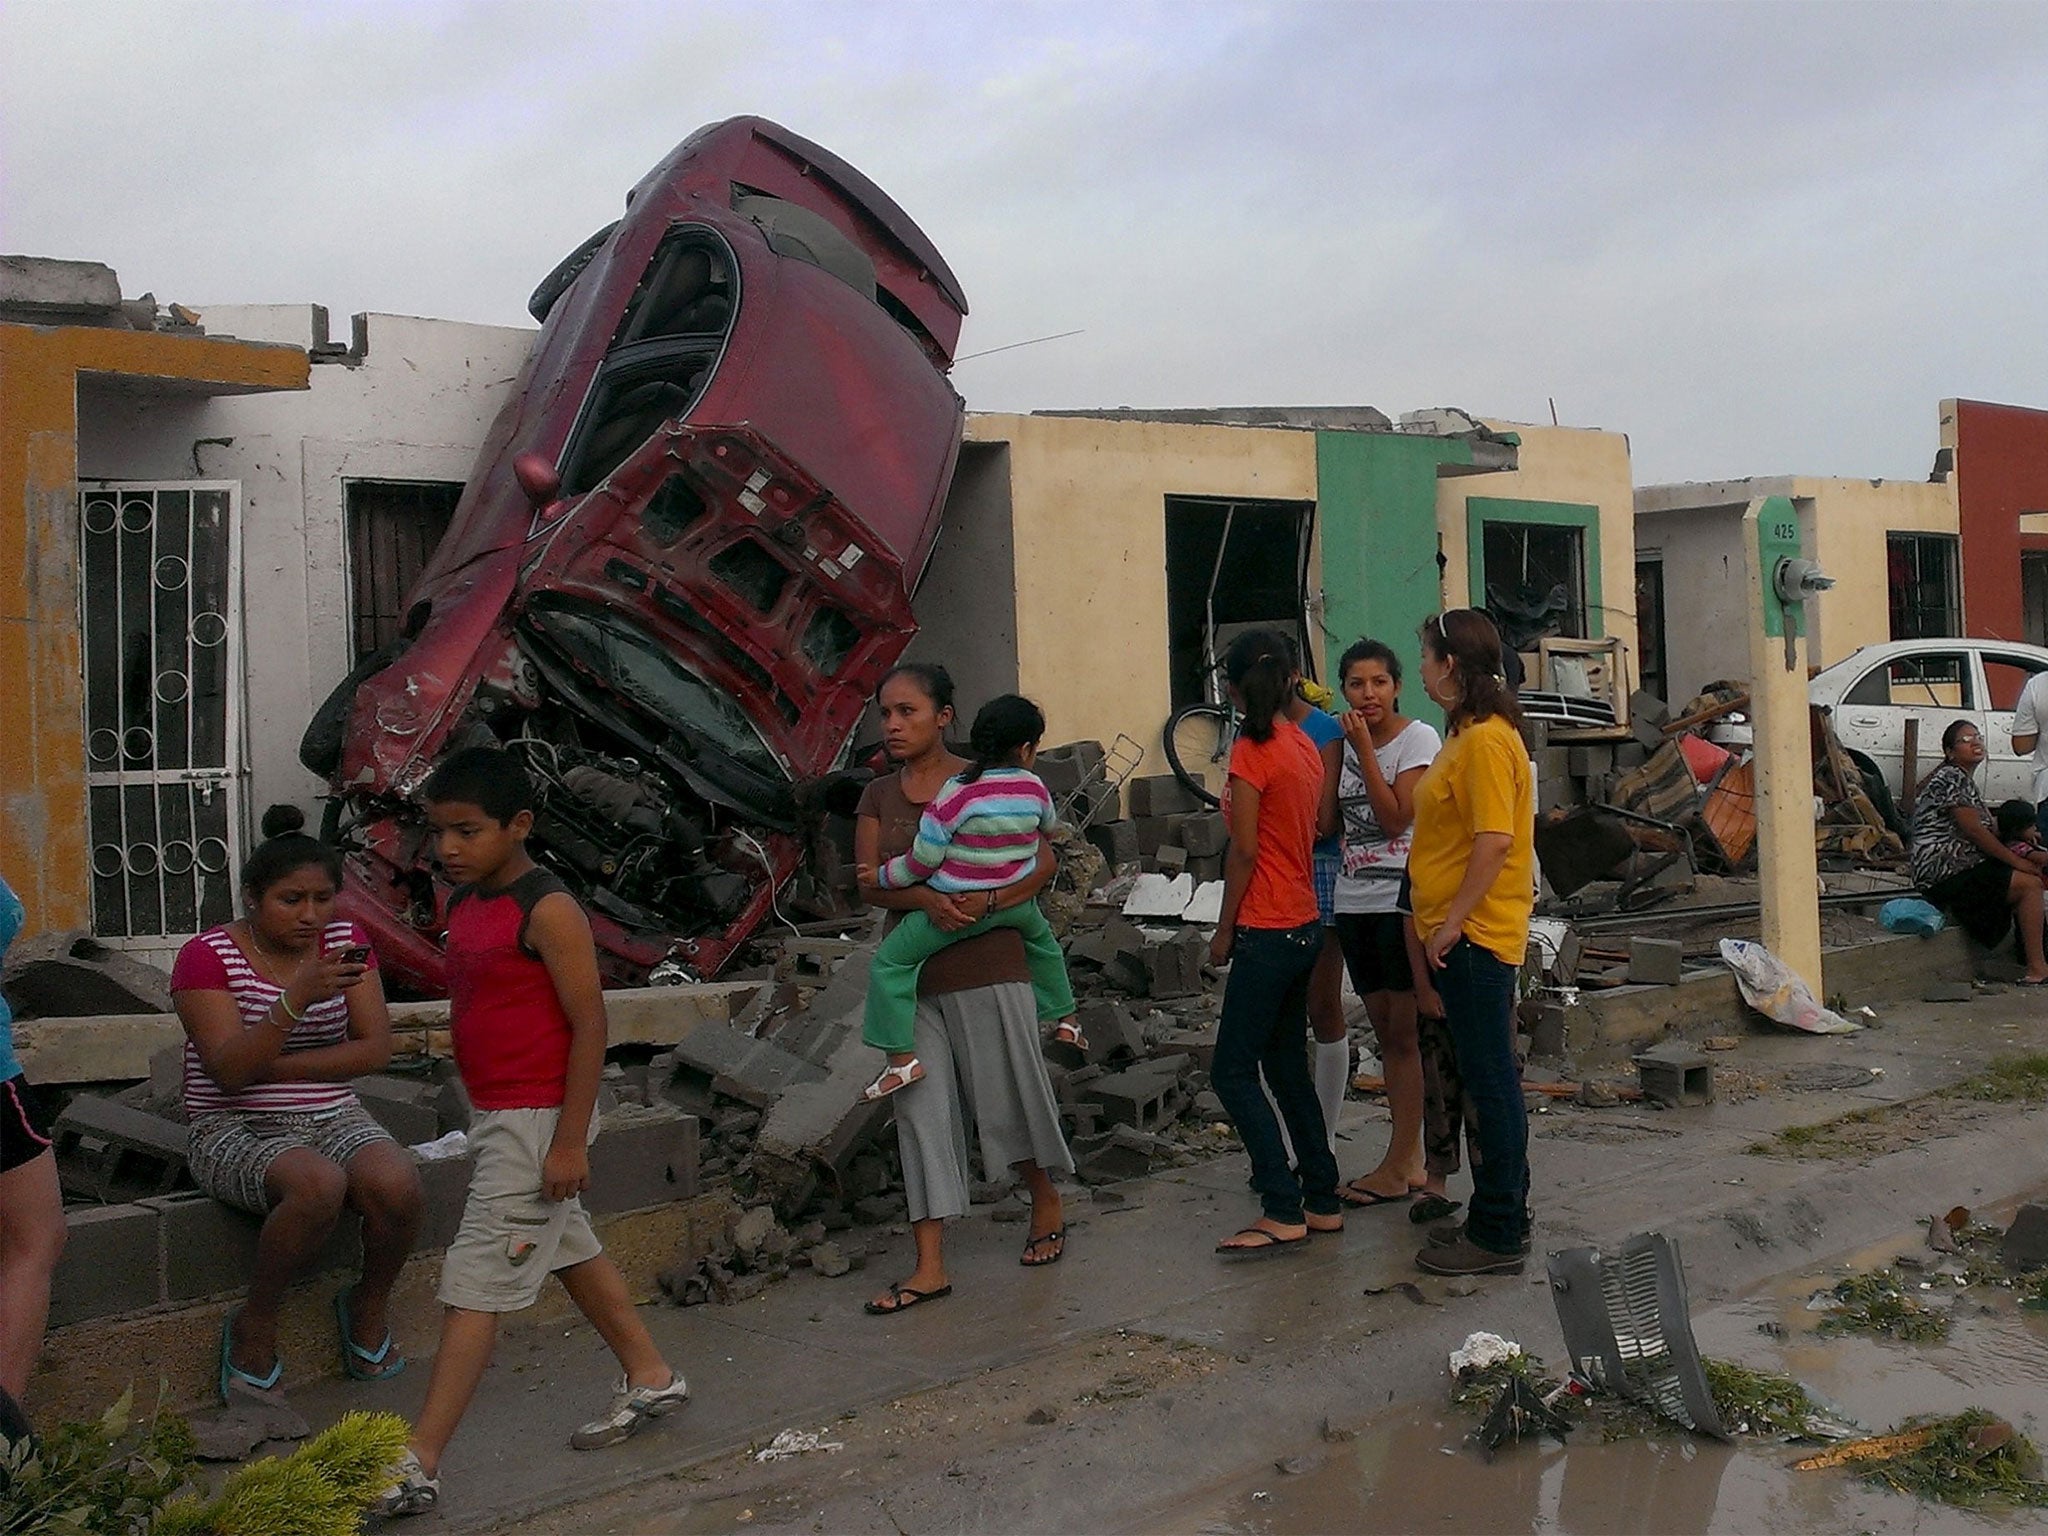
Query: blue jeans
(1478, 992)
(1264, 1026)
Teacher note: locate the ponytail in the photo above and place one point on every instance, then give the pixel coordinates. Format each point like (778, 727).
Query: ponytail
(1003, 727)
(1260, 666)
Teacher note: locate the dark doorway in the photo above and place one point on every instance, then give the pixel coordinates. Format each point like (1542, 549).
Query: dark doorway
(1650, 626)
(2034, 597)
(1253, 556)
(394, 527)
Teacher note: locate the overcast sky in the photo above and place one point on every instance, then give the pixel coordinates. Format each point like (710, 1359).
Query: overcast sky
(1758, 239)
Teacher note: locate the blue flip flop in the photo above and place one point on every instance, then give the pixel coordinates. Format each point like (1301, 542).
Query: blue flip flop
(379, 1364)
(231, 1372)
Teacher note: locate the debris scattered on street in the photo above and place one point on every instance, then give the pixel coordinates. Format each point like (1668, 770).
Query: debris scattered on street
(797, 1442)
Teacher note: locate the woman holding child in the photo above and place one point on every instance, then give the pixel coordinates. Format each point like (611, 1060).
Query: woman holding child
(1961, 863)
(281, 1009)
(975, 1034)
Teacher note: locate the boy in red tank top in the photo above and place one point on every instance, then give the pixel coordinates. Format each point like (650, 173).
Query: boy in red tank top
(527, 1014)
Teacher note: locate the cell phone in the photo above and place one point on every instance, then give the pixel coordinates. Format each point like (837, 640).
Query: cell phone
(356, 954)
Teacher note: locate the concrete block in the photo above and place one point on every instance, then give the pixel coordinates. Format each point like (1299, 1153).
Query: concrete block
(1629, 756)
(1547, 1031)
(645, 1161)
(1206, 867)
(1112, 1034)
(1648, 734)
(445, 1182)
(1676, 1075)
(1643, 705)
(1116, 841)
(1174, 969)
(1155, 832)
(71, 974)
(1536, 734)
(1205, 834)
(1198, 1045)
(1095, 802)
(117, 1143)
(755, 1071)
(1161, 794)
(1138, 1097)
(1583, 762)
(1553, 763)
(405, 1109)
(109, 1266)
(1655, 962)
(1101, 1158)
(45, 290)
(1556, 795)
(208, 1248)
(1067, 767)
(1170, 860)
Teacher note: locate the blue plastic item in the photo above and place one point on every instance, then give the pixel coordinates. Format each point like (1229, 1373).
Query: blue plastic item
(1909, 914)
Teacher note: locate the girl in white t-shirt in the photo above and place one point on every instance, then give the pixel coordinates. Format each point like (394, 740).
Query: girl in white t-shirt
(1369, 800)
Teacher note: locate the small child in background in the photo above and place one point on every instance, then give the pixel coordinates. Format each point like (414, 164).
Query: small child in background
(979, 835)
(2019, 829)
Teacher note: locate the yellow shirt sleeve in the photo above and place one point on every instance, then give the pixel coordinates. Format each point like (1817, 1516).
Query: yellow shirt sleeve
(1490, 771)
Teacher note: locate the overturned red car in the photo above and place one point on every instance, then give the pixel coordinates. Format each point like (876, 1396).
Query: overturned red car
(682, 563)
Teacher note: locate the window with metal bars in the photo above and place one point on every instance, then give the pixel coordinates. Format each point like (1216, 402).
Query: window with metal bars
(1926, 601)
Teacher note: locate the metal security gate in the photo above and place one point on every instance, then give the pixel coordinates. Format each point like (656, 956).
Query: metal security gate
(160, 609)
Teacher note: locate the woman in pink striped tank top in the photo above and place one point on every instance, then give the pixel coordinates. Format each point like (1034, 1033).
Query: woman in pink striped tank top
(281, 1010)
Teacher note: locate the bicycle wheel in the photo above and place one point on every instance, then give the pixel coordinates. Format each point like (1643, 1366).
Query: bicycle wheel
(1198, 742)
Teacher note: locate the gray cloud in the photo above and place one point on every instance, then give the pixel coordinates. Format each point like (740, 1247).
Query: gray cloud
(1757, 238)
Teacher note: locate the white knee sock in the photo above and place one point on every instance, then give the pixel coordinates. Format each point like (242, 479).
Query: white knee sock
(1332, 1065)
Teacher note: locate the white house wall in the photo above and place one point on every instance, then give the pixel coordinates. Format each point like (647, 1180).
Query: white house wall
(412, 401)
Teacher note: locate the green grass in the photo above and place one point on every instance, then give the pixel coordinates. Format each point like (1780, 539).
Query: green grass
(1879, 1302)
(1974, 1459)
(2008, 1080)
(1758, 1402)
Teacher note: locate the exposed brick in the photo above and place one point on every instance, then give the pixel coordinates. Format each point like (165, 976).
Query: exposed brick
(109, 1264)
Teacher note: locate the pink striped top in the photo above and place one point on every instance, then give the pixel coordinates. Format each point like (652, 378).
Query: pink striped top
(214, 962)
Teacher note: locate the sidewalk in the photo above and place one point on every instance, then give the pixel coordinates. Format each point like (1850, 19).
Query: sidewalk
(1139, 1259)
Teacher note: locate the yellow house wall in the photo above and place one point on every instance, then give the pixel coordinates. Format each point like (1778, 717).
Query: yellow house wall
(1849, 520)
(42, 750)
(1580, 465)
(1089, 535)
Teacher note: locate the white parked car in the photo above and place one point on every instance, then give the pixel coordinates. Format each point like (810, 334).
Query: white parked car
(1875, 691)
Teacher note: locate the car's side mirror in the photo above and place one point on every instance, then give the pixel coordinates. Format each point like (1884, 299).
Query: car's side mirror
(538, 479)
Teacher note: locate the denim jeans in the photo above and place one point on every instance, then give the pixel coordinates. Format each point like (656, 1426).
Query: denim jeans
(1264, 1026)
(1478, 992)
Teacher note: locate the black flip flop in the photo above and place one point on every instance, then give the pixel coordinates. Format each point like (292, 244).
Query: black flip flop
(1056, 1238)
(902, 1298)
(1272, 1243)
(1351, 1194)
(1433, 1207)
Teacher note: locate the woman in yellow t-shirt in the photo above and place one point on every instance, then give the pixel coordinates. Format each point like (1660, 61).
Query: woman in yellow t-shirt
(1472, 877)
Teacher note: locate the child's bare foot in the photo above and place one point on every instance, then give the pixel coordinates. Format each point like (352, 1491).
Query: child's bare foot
(898, 1074)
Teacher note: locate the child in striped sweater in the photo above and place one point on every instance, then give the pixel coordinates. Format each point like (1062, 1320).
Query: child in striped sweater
(979, 834)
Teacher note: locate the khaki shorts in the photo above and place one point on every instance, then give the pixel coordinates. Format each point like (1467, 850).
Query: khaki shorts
(512, 1236)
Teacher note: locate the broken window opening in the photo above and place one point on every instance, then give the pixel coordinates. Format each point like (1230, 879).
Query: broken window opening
(662, 358)
(1650, 626)
(752, 572)
(394, 527)
(829, 638)
(1921, 573)
(1259, 581)
(1534, 580)
(673, 510)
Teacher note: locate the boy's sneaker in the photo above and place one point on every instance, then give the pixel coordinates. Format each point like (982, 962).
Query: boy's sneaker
(631, 1406)
(412, 1492)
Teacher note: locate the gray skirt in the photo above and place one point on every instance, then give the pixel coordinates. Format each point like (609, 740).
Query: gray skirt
(982, 1063)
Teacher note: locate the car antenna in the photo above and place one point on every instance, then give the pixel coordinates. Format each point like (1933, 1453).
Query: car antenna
(1013, 346)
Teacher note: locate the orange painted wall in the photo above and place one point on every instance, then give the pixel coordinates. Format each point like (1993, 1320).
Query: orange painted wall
(42, 752)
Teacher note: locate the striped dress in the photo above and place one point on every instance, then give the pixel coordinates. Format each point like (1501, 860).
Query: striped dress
(214, 962)
(975, 837)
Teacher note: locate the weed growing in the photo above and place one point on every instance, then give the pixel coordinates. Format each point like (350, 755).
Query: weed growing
(1879, 1302)
(1973, 1459)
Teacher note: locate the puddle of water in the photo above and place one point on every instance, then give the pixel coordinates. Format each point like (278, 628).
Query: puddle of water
(1409, 1471)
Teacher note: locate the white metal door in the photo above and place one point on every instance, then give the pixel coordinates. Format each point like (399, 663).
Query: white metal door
(160, 615)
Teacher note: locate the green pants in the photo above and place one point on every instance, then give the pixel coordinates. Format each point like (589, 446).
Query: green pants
(892, 980)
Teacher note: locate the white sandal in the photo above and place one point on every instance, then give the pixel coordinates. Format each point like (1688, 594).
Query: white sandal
(1069, 1033)
(893, 1078)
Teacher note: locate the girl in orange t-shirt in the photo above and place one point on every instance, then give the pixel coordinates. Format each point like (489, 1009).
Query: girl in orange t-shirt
(1271, 933)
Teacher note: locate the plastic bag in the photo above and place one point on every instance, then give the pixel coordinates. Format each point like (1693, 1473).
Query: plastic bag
(1769, 987)
(1909, 914)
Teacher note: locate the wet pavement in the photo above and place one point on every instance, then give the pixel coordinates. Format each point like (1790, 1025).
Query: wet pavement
(1143, 1384)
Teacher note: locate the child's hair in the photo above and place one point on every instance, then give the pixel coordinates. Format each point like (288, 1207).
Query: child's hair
(1368, 649)
(935, 681)
(1260, 666)
(1002, 726)
(2015, 820)
(1467, 637)
(284, 849)
(489, 778)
